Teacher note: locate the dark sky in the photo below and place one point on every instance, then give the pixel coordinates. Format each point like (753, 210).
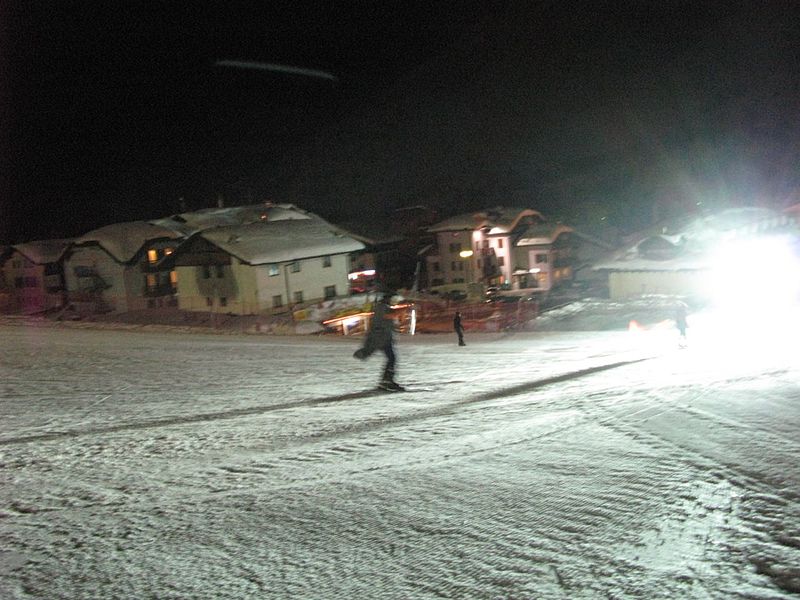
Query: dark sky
(116, 111)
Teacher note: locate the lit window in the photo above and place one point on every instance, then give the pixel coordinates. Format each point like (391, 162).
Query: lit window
(274, 270)
(151, 281)
(173, 279)
(326, 261)
(152, 255)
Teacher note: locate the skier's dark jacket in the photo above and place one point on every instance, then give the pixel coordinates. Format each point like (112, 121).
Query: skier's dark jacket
(381, 328)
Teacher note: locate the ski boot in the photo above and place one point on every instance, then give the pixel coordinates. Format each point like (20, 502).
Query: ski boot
(391, 386)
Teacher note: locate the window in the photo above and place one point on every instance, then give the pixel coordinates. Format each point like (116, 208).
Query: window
(19, 282)
(326, 261)
(541, 258)
(298, 297)
(209, 301)
(274, 270)
(206, 271)
(500, 243)
(501, 261)
(277, 301)
(437, 282)
(296, 266)
(453, 266)
(330, 292)
(437, 267)
(458, 280)
(151, 282)
(167, 251)
(455, 248)
(152, 255)
(173, 279)
(223, 301)
(220, 272)
(486, 244)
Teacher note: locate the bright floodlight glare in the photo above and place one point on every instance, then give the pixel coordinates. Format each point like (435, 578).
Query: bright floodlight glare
(755, 274)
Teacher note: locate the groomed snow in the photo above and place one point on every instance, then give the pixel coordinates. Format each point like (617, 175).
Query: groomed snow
(530, 465)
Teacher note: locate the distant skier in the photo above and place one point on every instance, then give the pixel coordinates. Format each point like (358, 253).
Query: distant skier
(459, 328)
(381, 337)
(680, 323)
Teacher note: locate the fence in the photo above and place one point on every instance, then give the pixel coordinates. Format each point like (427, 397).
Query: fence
(484, 316)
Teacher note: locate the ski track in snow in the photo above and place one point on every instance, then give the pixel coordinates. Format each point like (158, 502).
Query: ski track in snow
(575, 465)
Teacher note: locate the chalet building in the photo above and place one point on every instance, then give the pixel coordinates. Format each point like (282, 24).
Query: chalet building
(678, 261)
(33, 276)
(510, 247)
(118, 268)
(289, 258)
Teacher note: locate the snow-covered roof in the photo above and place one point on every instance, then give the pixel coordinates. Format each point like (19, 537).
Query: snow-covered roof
(695, 242)
(189, 223)
(499, 220)
(124, 240)
(42, 252)
(281, 241)
(542, 233)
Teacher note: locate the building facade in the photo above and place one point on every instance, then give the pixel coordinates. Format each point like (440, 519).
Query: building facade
(33, 277)
(513, 248)
(119, 268)
(267, 267)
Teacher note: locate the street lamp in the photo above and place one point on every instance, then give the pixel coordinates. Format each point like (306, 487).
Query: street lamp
(467, 255)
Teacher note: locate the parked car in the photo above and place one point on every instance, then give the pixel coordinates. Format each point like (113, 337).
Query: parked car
(455, 295)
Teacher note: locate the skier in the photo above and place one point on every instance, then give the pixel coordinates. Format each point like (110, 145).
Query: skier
(459, 328)
(380, 337)
(680, 323)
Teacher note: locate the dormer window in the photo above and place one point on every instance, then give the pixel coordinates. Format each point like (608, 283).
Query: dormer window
(152, 256)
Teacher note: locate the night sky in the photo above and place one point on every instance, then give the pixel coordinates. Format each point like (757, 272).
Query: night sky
(620, 116)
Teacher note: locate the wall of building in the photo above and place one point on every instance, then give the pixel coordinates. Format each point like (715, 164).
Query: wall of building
(27, 286)
(454, 271)
(311, 280)
(628, 284)
(240, 288)
(110, 272)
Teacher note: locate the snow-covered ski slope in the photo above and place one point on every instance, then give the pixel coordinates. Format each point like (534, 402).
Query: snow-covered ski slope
(564, 465)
